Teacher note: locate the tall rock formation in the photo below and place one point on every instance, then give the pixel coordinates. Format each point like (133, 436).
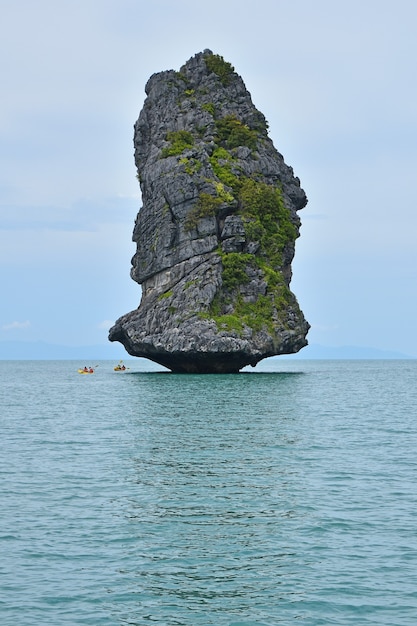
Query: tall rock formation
(216, 234)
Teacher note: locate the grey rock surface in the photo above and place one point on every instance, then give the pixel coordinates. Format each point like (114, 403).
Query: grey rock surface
(216, 233)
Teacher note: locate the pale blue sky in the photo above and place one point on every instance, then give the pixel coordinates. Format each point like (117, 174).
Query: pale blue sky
(336, 81)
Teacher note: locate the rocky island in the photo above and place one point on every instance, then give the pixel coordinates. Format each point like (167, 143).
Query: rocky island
(216, 233)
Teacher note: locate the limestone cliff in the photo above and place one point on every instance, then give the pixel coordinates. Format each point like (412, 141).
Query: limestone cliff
(216, 233)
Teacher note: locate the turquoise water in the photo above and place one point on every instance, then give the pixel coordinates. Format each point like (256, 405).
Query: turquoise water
(268, 497)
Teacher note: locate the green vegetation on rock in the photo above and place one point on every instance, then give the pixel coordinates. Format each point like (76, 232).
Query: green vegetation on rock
(221, 162)
(180, 140)
(267, 220)
(191, 166)
(166, 294)
(224, 70)
(234, 269)
(261, 314)
(226, 196)
(206, 206)
(209, 107)
(232, 133)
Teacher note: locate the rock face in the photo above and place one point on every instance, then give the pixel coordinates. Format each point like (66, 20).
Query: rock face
(216, 234)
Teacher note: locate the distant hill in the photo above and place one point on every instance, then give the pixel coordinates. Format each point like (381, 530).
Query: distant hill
(40, 350)
(316, 351)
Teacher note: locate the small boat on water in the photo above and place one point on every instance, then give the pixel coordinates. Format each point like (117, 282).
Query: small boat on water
(86, 370)
(120, 367)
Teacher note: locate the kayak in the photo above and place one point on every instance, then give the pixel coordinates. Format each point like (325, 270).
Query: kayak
(117, 368)
(80, 371)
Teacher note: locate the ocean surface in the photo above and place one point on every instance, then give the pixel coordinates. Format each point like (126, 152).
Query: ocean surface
(281, 495)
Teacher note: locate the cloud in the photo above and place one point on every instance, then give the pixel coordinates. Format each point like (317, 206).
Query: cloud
(84, 215)
(106, 324)
(17, 325)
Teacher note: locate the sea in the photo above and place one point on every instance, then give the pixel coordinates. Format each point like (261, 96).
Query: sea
(285, 494)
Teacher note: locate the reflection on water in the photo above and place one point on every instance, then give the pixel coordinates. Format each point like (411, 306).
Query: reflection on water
(218, 492)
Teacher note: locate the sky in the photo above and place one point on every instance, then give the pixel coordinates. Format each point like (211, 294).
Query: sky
(336, 82)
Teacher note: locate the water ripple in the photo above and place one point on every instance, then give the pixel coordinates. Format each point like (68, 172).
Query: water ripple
(251, 499)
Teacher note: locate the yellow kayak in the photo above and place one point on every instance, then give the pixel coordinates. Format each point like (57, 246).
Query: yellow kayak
(80, 371)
